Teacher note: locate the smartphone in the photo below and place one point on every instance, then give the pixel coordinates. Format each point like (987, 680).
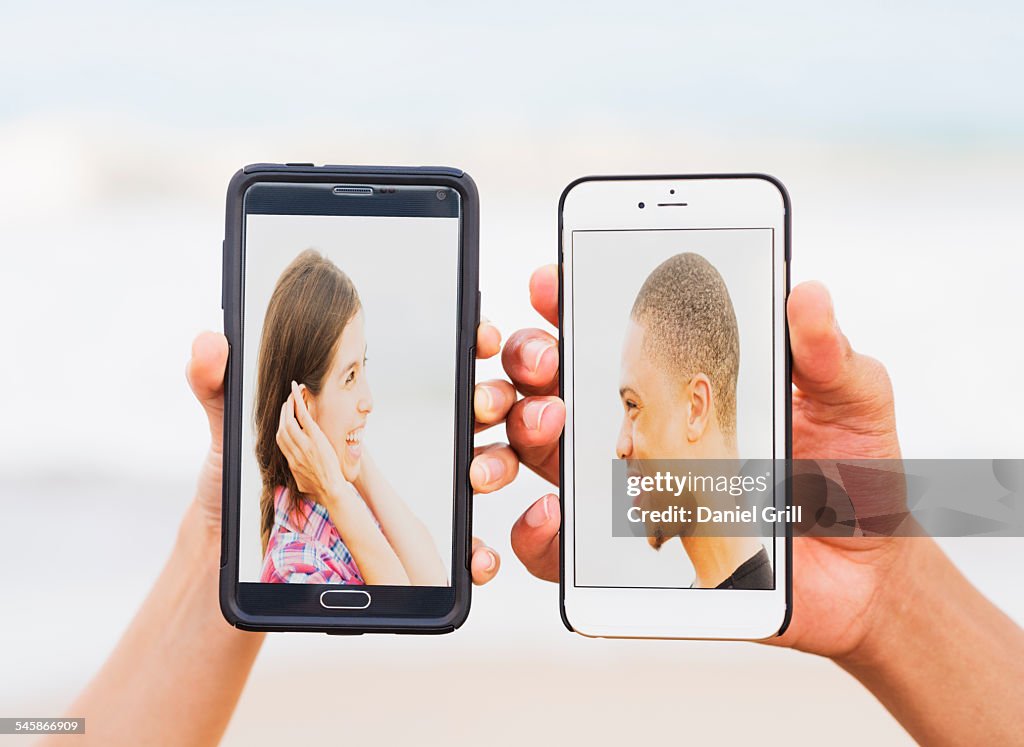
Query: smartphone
(351, 303)
(675, 361)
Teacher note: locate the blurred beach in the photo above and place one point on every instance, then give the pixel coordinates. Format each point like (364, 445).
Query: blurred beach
(904, 170)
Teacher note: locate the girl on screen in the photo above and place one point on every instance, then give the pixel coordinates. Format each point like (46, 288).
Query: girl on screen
(328, 515)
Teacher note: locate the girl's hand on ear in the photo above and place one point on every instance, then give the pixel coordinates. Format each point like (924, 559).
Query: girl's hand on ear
(310, 454)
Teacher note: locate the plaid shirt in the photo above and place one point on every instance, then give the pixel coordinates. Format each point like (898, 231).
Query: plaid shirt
(305, 547)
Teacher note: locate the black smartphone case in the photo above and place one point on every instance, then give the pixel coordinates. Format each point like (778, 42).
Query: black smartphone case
(469, 316)
(788, 375)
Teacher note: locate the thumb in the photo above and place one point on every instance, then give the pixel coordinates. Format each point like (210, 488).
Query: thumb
(205, 372)
(824, 364)
(821, 353)
(544, 292)
(826, 369)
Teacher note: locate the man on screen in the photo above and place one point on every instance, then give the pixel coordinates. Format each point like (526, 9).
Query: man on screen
(680, 362)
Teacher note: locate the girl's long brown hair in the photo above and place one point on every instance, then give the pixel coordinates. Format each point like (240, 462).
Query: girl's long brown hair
(311, 304)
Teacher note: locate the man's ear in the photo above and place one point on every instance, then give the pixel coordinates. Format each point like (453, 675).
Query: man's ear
(698, 399)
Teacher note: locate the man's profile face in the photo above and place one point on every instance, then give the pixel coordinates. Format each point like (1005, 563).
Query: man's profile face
(653, 405)
(653, 418)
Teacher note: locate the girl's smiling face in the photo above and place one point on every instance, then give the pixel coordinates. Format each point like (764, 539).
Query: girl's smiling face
(344, 402)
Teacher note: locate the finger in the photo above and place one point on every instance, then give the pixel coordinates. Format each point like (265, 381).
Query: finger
(530, 359)
(488, 339)
(301, 438)
(205, 373)
(825, 366)
(535, 538)
(492, 401)
(288, 447)
(484, 564)
(493, 467)
(544, 292)
(285, 440)
(533, 427)
(301, 411)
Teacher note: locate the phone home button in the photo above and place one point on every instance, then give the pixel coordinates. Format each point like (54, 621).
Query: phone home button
(348, 599)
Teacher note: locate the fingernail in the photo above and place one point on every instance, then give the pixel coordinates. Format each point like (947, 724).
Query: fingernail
(533, 353)
(486, 470)
(492, 561)
(483, 401)
(533, 413)
(831, 307)
(484, 323)
(539, 513)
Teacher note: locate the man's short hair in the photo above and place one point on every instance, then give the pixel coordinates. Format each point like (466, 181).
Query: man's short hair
(690, 327)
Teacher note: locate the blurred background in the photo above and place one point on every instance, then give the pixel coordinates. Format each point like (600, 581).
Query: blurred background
(898, 129)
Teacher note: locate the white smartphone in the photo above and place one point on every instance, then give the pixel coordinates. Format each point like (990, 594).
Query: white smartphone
(674, 348)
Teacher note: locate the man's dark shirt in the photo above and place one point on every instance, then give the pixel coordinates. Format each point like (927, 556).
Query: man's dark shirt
(753, 573)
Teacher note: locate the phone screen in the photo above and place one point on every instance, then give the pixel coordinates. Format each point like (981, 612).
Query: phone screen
(350, 324)
(672, 344)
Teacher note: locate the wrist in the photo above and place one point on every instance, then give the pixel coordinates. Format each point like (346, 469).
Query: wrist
(906, 607)
(199, 538)
(336, 497)
(939, 656)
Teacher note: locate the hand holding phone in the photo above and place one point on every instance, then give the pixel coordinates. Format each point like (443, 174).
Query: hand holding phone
(828, 374)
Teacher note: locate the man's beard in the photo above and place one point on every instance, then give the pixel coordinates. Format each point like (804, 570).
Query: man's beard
(659, 537)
